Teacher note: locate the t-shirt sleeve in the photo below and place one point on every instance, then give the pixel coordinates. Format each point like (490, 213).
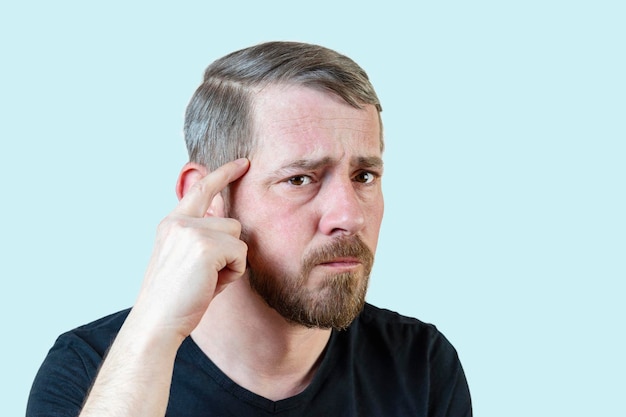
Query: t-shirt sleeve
(64, 378)
(449, 395)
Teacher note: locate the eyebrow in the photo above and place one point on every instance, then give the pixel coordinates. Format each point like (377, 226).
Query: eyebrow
(370, 162)
(315, 164)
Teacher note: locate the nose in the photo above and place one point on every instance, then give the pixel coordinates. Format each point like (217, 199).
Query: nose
(342, 212)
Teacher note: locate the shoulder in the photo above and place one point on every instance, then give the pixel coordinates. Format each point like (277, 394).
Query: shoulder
(388, 323)
(383, 316)
(96, 335)
(396, 334)
(407, 360)
(71, 365)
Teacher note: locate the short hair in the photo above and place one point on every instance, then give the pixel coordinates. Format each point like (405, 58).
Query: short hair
(218, 120)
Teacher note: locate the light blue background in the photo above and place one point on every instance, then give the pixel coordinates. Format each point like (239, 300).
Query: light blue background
(505, 129)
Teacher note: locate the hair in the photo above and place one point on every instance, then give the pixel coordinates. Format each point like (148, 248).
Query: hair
(218, 120)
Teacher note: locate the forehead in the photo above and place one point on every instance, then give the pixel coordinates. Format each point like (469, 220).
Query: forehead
(304, 122)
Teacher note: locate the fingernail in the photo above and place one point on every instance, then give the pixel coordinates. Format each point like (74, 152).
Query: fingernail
(241, 161)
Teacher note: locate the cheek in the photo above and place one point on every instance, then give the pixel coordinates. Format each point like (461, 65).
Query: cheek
(279, 229)
(374, 221)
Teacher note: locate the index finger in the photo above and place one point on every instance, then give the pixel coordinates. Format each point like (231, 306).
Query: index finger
(197, 200)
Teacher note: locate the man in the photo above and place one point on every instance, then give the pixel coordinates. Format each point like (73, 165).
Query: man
(253, 303)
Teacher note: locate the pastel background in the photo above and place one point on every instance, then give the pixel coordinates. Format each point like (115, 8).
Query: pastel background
(505, 171)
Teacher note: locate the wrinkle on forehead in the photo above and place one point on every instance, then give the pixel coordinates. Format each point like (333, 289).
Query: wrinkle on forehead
(281, 98)
(312, 120)
(310, 123)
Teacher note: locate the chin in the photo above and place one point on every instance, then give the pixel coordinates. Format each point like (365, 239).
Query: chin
(334, 305)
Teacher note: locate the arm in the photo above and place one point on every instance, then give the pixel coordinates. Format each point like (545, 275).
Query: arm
(194, 258)
(449, 392)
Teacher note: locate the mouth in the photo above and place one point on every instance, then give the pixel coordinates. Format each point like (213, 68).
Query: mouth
(344, 255)
(347, 263)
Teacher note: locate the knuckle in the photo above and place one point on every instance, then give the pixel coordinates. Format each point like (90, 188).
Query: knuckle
(203, 188)
(171, 223)
(233, 225)
(243, 247)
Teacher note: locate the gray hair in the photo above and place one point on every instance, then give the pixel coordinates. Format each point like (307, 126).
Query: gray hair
(218, 121)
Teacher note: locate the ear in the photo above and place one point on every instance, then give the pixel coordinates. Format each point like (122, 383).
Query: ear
(190, 174)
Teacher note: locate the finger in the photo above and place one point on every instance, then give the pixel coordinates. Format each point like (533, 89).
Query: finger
(198, 199)
(236, 265)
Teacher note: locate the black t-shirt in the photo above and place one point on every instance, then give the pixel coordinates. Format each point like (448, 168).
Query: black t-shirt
(384, 364)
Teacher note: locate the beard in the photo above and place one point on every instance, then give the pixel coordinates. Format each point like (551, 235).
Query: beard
(334, 302)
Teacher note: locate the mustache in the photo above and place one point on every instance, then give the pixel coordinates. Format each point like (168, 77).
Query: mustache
(344, 247)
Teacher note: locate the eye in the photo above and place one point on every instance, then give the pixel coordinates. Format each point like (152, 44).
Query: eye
(299, 180)
(365, 177)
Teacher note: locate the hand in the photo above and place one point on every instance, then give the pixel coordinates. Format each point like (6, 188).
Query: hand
(194, 258)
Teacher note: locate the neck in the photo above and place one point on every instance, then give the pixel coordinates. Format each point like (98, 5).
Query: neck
(256, 347)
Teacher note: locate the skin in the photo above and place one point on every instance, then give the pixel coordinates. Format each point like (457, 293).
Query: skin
(313, 178)
(135, 377)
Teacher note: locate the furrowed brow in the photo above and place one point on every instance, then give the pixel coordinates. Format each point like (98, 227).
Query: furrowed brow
(308, 164)
(369, 162)
(363, 162)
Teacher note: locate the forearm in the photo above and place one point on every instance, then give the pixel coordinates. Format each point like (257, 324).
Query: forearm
(196, 255)
(136, 375)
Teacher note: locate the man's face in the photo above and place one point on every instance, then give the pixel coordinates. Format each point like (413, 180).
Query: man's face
(311, 204)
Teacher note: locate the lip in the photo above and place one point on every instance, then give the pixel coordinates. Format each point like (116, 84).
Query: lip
(341, 263)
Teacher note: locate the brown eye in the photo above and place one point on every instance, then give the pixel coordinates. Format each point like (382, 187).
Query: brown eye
(365, 177)
(299, 180)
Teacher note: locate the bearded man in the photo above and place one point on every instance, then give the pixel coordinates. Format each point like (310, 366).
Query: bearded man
(253, 303)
